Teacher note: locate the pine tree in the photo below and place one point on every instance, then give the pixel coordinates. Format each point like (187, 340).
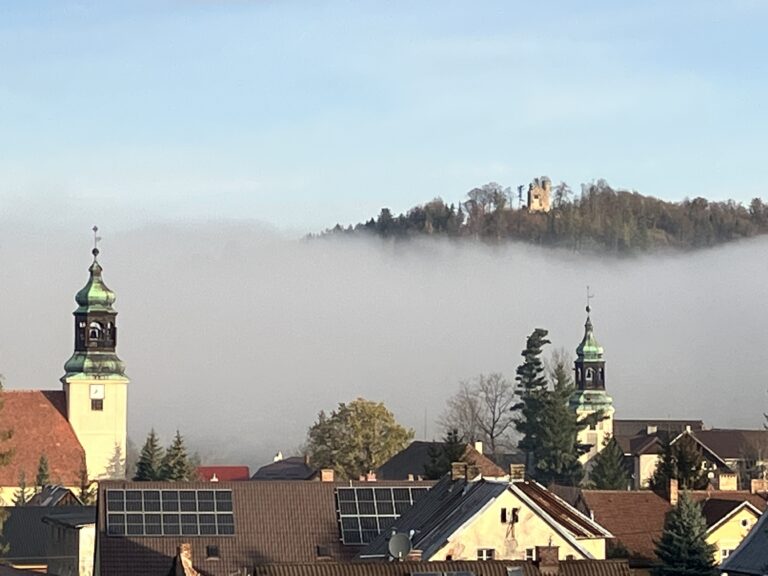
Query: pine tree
(150, 459)
(683, 549)
(22, 495)
(42, 477)
(682, 461)
(116, 466)
(176, 465)
(86, 490)
(549, 428)
(608, 471)
(442, 456)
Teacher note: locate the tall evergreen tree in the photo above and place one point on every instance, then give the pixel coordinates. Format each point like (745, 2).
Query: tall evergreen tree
(43, 475)
(549, 427)
(683, 549)
(86, 489)
(608, 471)
(442, 456)
(682, 461)
(22, 494)
(150, 460)
(175, 465)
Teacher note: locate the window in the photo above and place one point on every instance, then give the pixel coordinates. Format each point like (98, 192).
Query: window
(744, 523)
(529, 554)
(94, 331)
(212, 552)
(724, 554)
(97, 405)
(503, 515)
(485, 553)
(590, 374)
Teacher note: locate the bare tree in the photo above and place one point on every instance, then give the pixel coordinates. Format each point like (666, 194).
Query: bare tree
(482, 410)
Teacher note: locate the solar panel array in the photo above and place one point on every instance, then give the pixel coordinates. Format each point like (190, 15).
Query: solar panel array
(365, 512)
(153, 512)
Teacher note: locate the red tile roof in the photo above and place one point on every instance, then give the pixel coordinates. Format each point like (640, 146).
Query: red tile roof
(223, 473)
(39, 424)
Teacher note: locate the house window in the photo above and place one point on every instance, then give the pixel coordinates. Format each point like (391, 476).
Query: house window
(724, 554)
(745, 523)
(97, 404)
(529, 555)
(212, 552)
(485, 553)
(503, 515)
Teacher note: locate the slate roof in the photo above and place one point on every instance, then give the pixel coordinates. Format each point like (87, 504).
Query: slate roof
(412, 460)
(292, 468)
(488, 568)
(734, 444)
(751, 556)
(26, 534)
(72, 518)
(636, 518)
(39, 423)
(451, 503)
(275, 522)
(223, 473)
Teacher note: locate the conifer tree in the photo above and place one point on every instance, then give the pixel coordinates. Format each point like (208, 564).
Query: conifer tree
(86, 490)
(608, 471)
(683, 549)
(176, 465)
(441, 457)
(682, 461)
(22, 495)
(150, 460)
(43, 476)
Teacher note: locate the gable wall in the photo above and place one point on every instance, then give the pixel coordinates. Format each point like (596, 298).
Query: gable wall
(510, 541)
(729, 535)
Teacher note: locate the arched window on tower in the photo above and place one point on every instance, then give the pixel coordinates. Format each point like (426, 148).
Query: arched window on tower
(578, 374)
(590, 374)
(94, 332)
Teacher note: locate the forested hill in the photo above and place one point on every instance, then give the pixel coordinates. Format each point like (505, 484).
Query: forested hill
(598, 219)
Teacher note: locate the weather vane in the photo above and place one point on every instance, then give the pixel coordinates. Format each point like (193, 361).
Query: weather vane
(589, 297)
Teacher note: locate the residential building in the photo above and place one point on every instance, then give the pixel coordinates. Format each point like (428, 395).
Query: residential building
(71, 542)
(411, 462)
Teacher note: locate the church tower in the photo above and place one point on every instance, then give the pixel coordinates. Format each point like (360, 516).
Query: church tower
(590, 396)
(95, 384)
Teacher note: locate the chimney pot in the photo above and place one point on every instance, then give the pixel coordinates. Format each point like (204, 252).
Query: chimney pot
(326, 475)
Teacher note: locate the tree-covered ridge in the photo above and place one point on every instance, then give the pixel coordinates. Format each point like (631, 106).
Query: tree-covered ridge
(600, 218)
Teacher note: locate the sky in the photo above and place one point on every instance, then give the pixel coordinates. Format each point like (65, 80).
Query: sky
(206, 138)
(304, 114)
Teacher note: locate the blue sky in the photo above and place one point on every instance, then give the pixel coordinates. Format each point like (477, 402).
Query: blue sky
(302, 114)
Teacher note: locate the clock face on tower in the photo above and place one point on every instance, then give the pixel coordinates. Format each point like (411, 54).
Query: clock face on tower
(97, 392)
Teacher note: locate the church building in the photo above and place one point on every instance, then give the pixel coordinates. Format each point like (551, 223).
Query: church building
(590, 396)
(82, 428)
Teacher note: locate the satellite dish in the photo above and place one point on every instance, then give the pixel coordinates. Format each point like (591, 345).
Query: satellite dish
(399, 546)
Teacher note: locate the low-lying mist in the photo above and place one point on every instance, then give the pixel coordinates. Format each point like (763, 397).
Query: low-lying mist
(238, 336)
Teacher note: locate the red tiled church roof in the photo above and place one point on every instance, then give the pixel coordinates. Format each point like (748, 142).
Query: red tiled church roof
(39, 424)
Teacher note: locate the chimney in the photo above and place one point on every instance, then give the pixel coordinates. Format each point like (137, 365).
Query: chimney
(651, 429)
(458, 470)
(278, 457)
(326, 475)
(410, 477)
(184, 561)
(214, 478)
(758, 485)
(673, 492)
(473, 472)
(479, 446)
(516, 472)
(371, 476)
(547, 560)
(727, 481)
(306, 459)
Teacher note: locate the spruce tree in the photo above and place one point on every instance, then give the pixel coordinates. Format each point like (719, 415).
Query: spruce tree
(442, 456)
(683, 549)
(22, 495)
(43, 476)
(150, 459)
(86, 490)
(176, 465)
(608, 471)
(682, 461)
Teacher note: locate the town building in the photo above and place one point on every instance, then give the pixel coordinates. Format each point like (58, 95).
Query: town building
(81, 430)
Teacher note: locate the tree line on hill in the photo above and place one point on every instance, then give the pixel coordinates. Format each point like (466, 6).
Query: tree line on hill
(601, 218)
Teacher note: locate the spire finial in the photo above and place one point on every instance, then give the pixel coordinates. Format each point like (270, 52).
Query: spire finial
(589, 297)
(96, 239)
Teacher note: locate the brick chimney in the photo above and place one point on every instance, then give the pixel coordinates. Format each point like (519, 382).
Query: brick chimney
(547, 560)
(673, 493)
(516, 472)
(458, 470)
(479, 446)
(326, 475)
(758, 485)
(727, 481)
(472, 471)
(371, 476)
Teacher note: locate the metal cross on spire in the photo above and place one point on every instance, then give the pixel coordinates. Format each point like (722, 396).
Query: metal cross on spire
(589, 297)
(96, 240)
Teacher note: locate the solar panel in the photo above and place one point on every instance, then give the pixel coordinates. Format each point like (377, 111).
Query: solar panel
(153, 512)
(365, 512)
